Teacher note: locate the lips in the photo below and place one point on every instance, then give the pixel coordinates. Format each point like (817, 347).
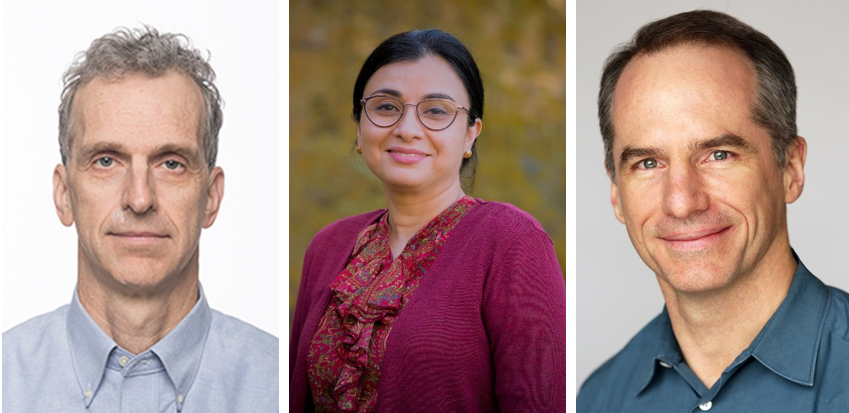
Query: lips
(138, 237)
(406, 155)
(695, 239)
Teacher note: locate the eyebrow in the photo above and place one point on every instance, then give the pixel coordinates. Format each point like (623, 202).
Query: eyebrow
(631, 152)
(397, 94)
(88, 151)
(729, 140)
(191, 154)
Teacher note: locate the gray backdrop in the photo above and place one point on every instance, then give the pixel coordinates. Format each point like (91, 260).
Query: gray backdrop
(616, 293)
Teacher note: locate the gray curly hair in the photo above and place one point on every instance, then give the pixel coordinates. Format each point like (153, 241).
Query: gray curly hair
(144, 51)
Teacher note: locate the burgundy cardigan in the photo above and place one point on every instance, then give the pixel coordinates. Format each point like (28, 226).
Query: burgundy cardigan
(484, 332)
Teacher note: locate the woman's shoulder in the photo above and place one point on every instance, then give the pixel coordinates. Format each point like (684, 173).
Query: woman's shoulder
(347, 227)
(504, 218)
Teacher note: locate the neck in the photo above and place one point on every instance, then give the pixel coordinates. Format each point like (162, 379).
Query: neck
(136, 318)
(410, 212)
(713, 327)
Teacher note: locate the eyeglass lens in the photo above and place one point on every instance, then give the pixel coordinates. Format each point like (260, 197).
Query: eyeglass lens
(436, 114)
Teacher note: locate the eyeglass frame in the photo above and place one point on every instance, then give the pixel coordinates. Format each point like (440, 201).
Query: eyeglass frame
(418, 115)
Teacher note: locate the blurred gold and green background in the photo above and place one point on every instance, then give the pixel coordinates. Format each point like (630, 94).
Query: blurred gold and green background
(520, 49)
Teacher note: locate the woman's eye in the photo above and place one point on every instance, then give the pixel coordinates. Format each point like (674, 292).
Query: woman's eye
(648, 164)
(172, 164)
(719, 155)
(387, 107)
(105, 161)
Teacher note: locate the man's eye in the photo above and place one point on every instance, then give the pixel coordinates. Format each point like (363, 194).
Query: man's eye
(648, 164)
(172, 164)
(719, 155)
(105, 161)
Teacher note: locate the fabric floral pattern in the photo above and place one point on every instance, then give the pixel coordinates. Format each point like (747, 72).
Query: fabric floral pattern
(349, 342)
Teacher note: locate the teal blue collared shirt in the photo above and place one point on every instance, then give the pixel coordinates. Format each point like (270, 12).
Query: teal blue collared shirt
(63, 362)
(798, 363)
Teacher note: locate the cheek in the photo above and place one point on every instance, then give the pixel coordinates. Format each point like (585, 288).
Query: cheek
(370, 135)
(640, 201)
(93, 202)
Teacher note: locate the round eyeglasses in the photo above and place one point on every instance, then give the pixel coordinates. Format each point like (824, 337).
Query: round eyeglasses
(435, 114)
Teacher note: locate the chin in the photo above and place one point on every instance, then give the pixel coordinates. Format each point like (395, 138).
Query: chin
(143, 277)
(402, 182)
(701, 277)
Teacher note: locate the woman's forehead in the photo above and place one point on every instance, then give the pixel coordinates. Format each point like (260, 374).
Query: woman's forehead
(423, 78)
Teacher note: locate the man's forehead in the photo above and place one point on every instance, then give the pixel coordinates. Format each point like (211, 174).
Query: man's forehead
(137, 106)
(688, 68)
(664, 92)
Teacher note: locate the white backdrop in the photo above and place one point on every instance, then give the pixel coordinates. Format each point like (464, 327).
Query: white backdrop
(239, 254)
(616, 293)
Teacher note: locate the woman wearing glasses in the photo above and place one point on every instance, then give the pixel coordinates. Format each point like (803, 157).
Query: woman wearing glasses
(440, 302)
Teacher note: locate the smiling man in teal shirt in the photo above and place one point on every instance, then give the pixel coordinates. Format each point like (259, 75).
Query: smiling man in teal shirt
(138, 134)
(698, 117)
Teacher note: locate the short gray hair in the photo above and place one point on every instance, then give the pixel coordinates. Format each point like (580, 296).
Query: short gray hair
(143, 51)
(774, 107)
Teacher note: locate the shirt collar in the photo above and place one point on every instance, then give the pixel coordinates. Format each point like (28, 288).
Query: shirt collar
(180, 350)
(787, 345)
(790, 340)
(90, 349)
(665, 350)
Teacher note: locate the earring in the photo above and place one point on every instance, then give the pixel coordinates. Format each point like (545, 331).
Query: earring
(467, 154)
(359, 150)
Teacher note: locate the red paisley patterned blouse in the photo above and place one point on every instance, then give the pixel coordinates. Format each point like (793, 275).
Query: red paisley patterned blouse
(347, 348)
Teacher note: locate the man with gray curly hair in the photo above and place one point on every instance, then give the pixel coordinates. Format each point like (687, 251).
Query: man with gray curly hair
(138, 135)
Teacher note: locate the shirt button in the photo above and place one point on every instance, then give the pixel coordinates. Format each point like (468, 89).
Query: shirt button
(180, 399)
(87, 394)
(706, 406)
(664, 364)
(123, 360)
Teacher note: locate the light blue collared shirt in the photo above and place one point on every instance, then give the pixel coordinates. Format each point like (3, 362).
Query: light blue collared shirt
(63, 362)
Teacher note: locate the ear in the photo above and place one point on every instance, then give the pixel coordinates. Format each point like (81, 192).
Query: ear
(214, 195)
(614, 198)
(472, 133)
(62, 196)
(794, 171)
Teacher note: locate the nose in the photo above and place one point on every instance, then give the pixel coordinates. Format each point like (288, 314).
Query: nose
(409, 127)
(139, 192)
(684, 192)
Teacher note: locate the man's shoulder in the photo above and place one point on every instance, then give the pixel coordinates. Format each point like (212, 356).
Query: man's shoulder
(620, 375)
(39, 330)
(36, 351)
(838, 313)
(239, 337)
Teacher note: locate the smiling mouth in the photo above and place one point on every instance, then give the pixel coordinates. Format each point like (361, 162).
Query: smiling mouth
(406, 152)
(406, 156)
(695, 240)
